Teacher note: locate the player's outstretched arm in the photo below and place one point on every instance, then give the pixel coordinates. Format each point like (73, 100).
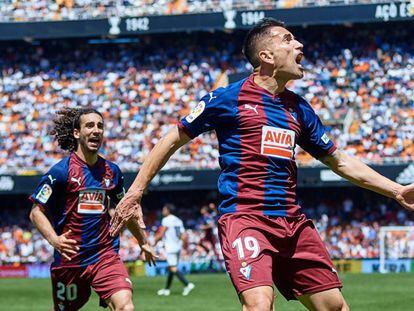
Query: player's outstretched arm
(130, 205)
(362, 175)
(65, 246)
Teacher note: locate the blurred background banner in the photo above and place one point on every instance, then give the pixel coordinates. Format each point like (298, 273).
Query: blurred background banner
(229, 19)
(172, 180)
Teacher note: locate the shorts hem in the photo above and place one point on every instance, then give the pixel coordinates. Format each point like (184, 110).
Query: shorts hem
(253, 286)
(115, 290)
(319, 288)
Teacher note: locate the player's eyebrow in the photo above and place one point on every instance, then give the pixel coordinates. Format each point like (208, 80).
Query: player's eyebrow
(288, 36)
(91, 123)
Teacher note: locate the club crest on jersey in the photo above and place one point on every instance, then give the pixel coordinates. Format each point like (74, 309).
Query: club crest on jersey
(278, 142)
(197, 110)
(44, 194)
(107, 182)
(246, 271)
(91, 201)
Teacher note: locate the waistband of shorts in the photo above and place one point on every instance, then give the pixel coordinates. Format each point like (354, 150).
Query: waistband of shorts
(296, 216)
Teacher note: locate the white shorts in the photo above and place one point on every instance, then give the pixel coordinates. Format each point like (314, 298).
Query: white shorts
(173, 258)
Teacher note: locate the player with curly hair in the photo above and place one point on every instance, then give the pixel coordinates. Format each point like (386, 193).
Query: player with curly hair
(71, 210)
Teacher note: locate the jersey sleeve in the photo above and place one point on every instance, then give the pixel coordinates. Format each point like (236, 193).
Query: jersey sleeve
(314, 139)
(50, 188)
(118, 192)
(203, 117)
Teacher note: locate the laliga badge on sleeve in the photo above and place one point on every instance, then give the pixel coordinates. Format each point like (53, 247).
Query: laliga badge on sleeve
(44, 194)
(196, 112)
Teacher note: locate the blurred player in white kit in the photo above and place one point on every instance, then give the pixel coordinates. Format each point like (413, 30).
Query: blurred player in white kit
(172, 233)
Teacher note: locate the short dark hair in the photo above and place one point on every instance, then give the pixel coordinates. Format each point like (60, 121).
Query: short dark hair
(66, 121)
(170, 207)
(254, 35)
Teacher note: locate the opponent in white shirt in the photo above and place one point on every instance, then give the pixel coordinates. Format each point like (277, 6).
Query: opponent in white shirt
(172, 233)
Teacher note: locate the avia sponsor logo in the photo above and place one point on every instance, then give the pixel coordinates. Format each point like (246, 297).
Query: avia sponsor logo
(91, 201)
(278, 142)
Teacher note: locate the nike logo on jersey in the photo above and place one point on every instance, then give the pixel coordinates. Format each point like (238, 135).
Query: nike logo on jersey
(247, 106)
(278, 142)
(78, 180)
(52, 180)
(211, 96)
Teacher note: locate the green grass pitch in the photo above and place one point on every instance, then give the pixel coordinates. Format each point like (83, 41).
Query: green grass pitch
(366, 292)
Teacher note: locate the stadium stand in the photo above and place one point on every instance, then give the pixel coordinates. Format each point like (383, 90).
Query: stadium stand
(34, 10)
(360, 82)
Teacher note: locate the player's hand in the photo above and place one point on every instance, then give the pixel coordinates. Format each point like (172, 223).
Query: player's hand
(149, 254)
(65, 246)
(127, 208)
(406, 197)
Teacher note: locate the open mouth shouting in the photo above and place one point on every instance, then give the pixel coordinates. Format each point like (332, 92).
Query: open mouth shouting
(298, 60)
(95, 142)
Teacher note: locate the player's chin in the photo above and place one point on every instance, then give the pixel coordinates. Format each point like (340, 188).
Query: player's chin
(94, 147)
(298, 74)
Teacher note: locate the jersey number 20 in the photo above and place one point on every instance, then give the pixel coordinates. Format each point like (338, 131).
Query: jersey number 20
(69, 292)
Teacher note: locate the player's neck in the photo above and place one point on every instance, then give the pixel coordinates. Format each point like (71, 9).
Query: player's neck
(88, 157)
(268, 80)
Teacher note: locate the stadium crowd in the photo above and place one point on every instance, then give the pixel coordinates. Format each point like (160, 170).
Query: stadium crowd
(40, 10)
(349, 226)
(360, 82)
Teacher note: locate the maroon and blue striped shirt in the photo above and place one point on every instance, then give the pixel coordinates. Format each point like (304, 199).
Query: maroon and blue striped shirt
(76, 197)
(257, 133)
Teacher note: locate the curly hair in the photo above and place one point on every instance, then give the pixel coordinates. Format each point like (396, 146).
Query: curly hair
(66, 121)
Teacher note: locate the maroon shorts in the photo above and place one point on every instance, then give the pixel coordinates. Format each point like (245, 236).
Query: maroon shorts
(72, 286)
(265, 250)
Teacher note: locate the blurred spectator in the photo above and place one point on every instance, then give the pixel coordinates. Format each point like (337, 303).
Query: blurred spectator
(40, 10)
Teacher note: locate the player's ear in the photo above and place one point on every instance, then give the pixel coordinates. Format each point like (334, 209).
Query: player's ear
(76, 133)
(266, 57)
